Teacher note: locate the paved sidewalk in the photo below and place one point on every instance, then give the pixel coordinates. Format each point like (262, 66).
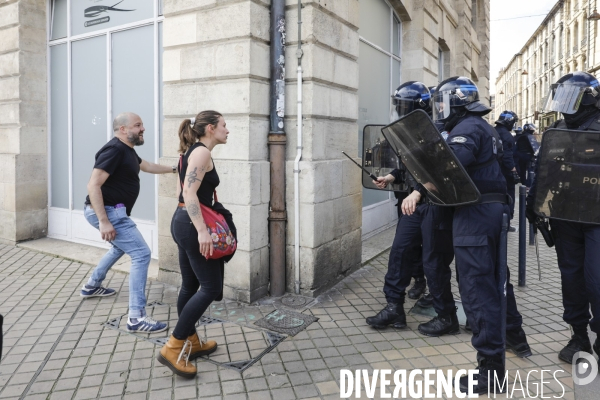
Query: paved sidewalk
(57, 348)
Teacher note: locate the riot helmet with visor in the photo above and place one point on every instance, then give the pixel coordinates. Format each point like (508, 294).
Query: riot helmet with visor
(508, 119)
(408, 97)
(454, 95)
(529, 129)
(572, 92)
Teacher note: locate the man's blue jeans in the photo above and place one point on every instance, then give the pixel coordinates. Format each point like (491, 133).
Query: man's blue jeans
(129, 241)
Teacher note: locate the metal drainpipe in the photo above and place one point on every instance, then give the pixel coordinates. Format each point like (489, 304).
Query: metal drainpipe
(277, 141)
(298, 157)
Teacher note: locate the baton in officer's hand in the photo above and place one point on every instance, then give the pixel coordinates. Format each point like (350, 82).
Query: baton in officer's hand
(361, 167)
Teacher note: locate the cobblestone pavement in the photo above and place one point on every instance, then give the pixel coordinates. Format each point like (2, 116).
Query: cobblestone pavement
(57, 348)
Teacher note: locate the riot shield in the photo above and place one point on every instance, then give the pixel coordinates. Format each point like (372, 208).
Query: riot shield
(430, 161)
(568, 178)
(379, 158)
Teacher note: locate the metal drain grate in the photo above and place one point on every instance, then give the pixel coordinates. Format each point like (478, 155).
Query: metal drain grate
(285, 321)
(239, 347)
(209, 320)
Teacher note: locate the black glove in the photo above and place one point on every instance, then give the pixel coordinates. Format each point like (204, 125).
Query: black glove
(531, 216)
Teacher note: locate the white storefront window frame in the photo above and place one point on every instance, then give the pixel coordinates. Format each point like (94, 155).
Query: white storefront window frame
(382, 215)
(70, 216)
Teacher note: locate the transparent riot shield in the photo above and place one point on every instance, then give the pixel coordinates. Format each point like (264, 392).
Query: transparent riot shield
(430, 161)
(379, 158)
(568, 178)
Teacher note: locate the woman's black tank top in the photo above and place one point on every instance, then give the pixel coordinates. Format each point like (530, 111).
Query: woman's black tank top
(209, 182)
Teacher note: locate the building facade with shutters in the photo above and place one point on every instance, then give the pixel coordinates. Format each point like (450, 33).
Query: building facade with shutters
(67, 67)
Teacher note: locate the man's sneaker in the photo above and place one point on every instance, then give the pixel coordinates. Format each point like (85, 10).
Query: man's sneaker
(577, 343)
(99, 291)
(512, 228)
(146, 325)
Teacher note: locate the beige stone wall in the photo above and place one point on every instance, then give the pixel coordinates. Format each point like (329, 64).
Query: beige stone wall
(23, 131)
(330, 191)
(225, 66)
(216, 57)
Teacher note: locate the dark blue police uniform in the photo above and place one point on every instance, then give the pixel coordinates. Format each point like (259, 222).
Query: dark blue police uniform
(508, 163)
(476, 232)
(438, 253)
(405, 260)
(432, 226)
(417, 262)
(578, 254)
(524, 150)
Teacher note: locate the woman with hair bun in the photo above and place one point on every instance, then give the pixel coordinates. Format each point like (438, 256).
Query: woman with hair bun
(198, 179)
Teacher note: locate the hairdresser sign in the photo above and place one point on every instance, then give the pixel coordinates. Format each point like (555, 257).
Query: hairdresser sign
(91, 15)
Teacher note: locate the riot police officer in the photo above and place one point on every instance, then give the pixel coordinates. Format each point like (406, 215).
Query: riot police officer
(504, 125)
(429, 225)
(525, 148)
(576, 95)
(477, 228)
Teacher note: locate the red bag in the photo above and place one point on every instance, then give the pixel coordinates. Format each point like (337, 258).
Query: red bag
(224, 243)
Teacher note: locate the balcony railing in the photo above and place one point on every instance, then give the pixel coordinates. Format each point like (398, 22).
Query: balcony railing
(583, 41)
(575, 48)
(567, 53)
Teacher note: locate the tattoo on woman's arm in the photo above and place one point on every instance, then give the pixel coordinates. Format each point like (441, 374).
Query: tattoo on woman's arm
(193, 210)
(193, 176)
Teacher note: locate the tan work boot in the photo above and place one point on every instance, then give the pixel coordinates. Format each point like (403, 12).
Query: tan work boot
(200, 347)
(175, 354)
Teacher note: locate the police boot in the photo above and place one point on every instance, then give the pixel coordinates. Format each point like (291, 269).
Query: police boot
(440, 325)
(418, 288)
(578, 342)
(516, 341)
(426, 301)
(392, 314)
(491, 373)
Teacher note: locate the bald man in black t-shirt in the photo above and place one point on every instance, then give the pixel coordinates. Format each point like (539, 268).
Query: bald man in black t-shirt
(112, 192)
